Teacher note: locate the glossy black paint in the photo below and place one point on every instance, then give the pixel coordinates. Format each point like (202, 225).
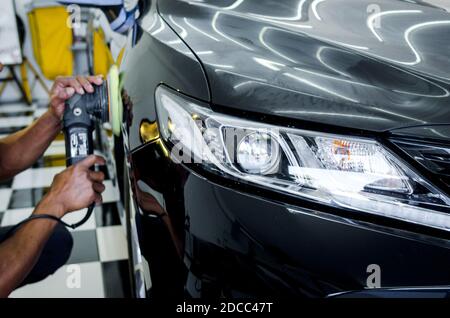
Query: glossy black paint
(242, 244)
(396, 293)
(319, 61)
(436, 132)
(158, 56)
(215, 237)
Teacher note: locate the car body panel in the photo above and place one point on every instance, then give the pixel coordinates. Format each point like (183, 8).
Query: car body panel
(214, 237)
(157, 57)
(434, 132)
(438, 292)
(326, 62)
(241, 244)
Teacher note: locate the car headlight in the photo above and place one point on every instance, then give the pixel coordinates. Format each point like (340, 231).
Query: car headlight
(341, 171)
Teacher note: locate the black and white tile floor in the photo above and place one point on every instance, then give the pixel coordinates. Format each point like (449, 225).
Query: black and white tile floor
(99, 256)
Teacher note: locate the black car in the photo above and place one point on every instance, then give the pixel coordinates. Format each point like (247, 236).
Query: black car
(288, 148)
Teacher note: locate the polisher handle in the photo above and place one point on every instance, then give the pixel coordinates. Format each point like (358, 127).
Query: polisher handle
(79, 144)
(77, 127)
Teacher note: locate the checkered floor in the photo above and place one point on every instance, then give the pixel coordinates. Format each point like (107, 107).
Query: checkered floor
(100, 249)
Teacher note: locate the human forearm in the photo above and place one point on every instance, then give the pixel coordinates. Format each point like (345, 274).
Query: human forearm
(20, 150)
(20, 252)
(73, 189)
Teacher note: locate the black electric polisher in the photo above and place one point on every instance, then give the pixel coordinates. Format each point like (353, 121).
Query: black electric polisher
(80, 116)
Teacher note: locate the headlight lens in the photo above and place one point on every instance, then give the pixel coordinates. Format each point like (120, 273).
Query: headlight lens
(340, 171)
(257, 154)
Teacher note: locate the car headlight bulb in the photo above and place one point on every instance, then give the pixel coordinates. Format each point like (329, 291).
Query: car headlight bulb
(258, 153)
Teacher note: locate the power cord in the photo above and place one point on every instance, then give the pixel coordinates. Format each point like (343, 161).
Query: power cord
(52, 217)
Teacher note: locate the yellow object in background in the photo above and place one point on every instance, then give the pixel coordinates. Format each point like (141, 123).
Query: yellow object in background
(120, 57)
(25, 83)
(52, 40)
(102, 55)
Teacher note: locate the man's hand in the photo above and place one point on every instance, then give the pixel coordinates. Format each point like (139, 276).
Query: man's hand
(64, 87)
(74, 188)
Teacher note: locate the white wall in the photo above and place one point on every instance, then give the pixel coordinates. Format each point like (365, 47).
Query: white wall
(11, 92)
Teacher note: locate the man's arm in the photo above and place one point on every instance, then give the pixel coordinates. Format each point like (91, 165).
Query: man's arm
(21, 149)
(73, 189)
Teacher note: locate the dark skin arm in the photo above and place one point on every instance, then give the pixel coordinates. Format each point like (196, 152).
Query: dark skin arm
(73, 189)
(21, 149)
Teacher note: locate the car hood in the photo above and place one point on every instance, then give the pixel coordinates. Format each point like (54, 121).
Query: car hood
(349, 63)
